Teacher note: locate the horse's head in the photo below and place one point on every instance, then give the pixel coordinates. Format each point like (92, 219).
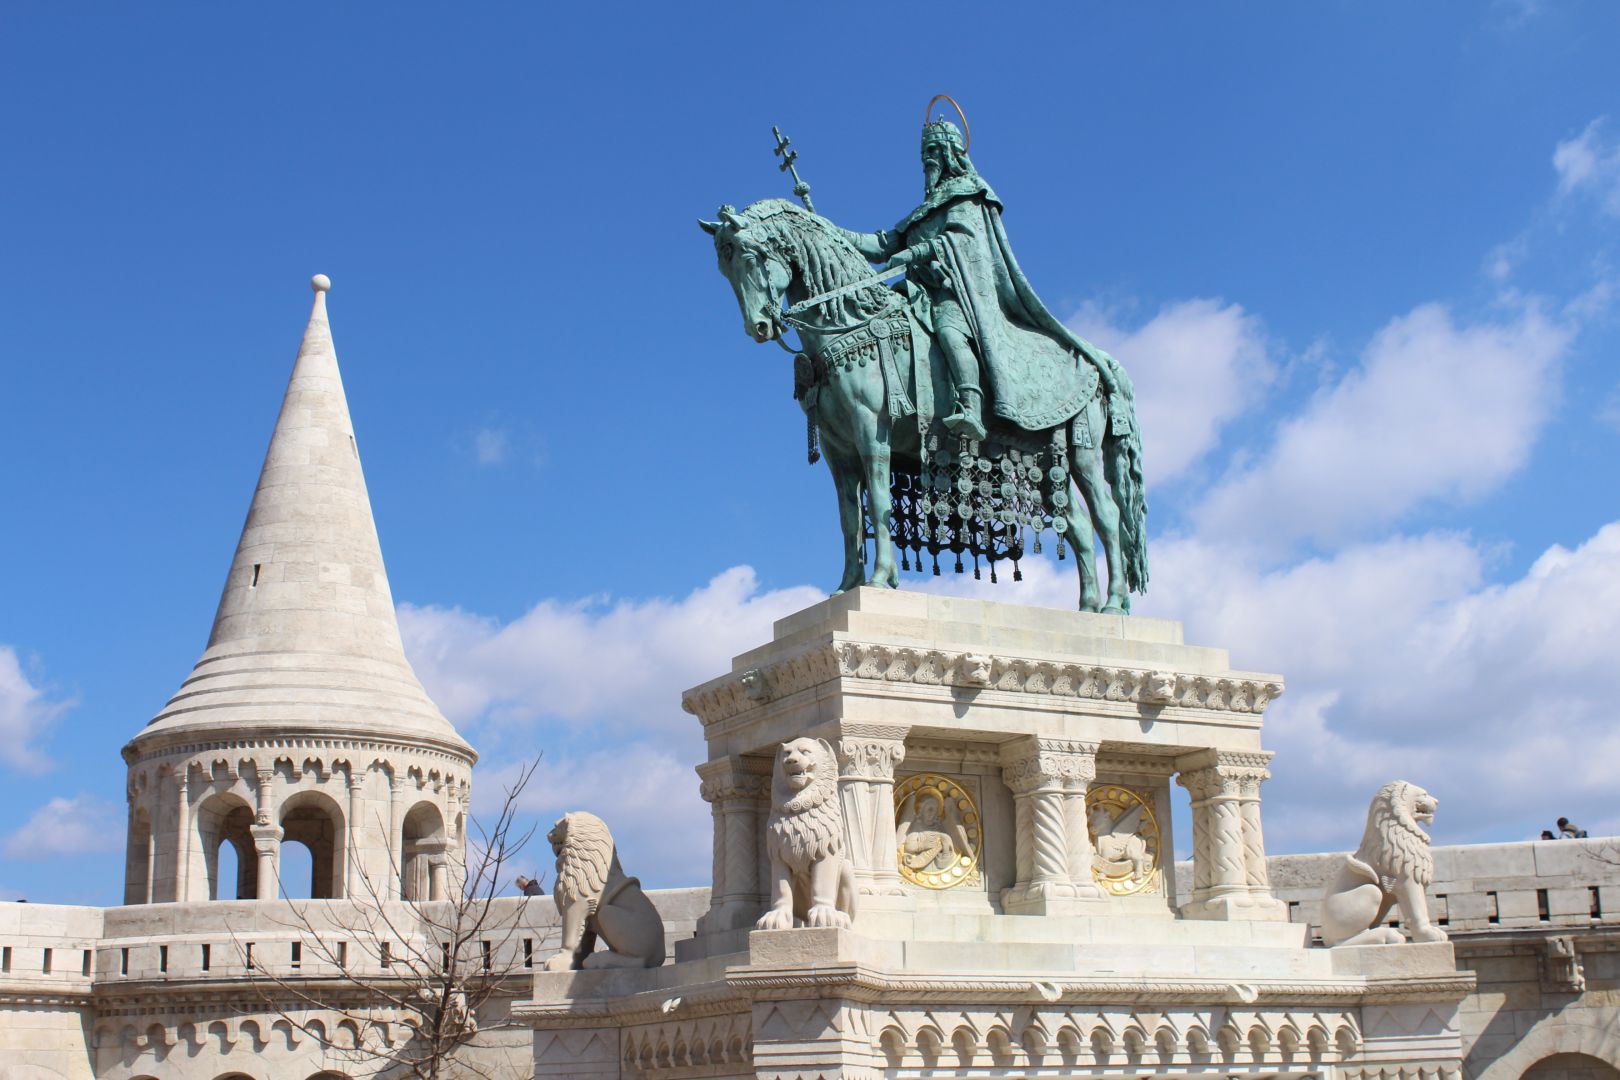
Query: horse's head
(758, 275)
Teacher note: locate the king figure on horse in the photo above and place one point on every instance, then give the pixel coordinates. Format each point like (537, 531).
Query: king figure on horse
(1032, 405)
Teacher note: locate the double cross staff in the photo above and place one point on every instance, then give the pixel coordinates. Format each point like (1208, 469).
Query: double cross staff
(800, 188)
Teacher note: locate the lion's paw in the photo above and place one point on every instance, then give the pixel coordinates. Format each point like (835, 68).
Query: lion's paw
(1429, 933)
(825, 916)
(775, 919)
(563, 961)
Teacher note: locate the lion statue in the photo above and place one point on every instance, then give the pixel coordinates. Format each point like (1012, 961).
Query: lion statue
(811, 880)
(1392, 866)
(595, 900)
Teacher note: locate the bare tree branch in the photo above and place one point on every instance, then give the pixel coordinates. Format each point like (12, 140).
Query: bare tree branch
(426, 966)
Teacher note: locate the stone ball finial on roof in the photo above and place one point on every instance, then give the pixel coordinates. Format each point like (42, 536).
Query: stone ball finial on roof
(320, 283)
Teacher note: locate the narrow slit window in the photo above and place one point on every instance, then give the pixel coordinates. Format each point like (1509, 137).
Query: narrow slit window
(1543, 909)
(1493, 913)
(163, 958)
(254, 584)
(446, 953)
(528, 950)
(1597, 902)
(84, 966)
(46, 965)
(297, 954)
(1442, 910)
(206, 957)
(123, 961)
(249, 956)
(343, 954)
(5, 958)
(385, 955)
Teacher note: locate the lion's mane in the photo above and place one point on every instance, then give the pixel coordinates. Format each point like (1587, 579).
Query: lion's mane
(809, 824)
(1394, 845)
(585, 859)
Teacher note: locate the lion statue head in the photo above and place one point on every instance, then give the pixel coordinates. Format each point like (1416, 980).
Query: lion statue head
(586, 857)
(1393, 845)
(805, 814)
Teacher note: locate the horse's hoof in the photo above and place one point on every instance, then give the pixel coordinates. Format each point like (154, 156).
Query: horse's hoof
(1115, 609)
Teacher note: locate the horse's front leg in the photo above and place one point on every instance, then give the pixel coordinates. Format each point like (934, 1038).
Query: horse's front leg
(875, 456)
(846, 476)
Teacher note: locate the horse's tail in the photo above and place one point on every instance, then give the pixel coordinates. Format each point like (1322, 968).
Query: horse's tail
(1122, 467)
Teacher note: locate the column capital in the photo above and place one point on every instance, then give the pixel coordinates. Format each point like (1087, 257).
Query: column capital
(870, 753)
(728, 778)
(265, 838)
(1032, 763)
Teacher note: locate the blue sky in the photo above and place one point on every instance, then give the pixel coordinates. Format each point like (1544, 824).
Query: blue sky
(1360, 259)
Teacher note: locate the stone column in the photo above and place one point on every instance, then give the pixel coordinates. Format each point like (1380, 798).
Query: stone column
(396, 832)
(1229, 879)
(352, 844)
(267, 849)
(436, 852)
(1254, 843)
(867, 756)
(1043, 775)
(182, 835)
(737, 790)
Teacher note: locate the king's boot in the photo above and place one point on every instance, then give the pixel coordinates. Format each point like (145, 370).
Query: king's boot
(968, 419)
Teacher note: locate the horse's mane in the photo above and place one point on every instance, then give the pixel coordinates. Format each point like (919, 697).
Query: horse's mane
(818, 250)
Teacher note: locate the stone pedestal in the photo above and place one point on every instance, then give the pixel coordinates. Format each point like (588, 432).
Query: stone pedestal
(1030, 712)
(1005, 777)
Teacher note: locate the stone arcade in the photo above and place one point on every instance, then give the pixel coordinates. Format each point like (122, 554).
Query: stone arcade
(1003, 777)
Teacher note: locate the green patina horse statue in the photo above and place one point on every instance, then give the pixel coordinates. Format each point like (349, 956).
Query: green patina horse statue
(866, 378)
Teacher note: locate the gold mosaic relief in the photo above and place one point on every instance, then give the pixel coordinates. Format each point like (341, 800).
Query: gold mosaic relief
(938, 832)
(1124, 839)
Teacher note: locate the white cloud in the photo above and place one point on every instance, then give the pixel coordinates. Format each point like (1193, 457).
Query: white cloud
(26, 714)
(1434, 410)
(1402, 662)
(648, 796)
(595, 661)
(1590, 163)
(1196, 366)
(79, 825)
(594, 685)
(491, 446)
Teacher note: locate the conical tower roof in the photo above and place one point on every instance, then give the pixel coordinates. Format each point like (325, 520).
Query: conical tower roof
(305, 641)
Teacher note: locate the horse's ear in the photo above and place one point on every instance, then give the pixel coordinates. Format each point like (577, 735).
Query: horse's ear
(729, 216)
(710, 227)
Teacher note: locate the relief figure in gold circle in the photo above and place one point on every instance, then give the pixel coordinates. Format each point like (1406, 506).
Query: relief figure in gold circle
(1124, 839)
(937, 832)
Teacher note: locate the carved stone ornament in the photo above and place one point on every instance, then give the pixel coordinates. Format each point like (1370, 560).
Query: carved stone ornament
(1125, 841)
(723, 699)
(939, 833)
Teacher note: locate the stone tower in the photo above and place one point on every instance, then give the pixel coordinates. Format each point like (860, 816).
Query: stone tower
(303, 721)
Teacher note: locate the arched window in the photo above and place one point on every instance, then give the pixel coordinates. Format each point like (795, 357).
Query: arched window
(225, 820)
(315, 820)
(1572, 1067)
(422, 845)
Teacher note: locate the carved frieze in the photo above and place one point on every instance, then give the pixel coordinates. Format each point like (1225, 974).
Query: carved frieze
(934, 667)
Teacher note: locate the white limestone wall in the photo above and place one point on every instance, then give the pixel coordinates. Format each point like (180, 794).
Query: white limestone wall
(1538, 922)
(165, 990)
(47, 956)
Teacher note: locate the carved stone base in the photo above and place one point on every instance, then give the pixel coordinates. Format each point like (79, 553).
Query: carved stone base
(1240, 906)
(1056, 899)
